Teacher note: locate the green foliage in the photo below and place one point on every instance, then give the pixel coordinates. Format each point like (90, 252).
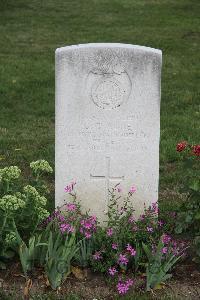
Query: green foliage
(188, 217)
(84, 253)
(31, 253)
(8, 175)
(58, 258)
(40, 167)
(22, 209)
(125, 229)
(158, 264)
(197, 249)
(123, 244)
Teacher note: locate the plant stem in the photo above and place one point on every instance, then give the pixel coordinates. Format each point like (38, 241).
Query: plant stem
(4, 223)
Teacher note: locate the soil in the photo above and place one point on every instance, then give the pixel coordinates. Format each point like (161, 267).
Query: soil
(185, 284)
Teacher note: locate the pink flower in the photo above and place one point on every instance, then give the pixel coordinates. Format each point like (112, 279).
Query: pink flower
(135, 228)
(114, 246)
(87, 224)
(128, 247)
(70, 206)
(131, 250)
(122, 260)
(109, 232)
(66, 228)
(149, 229)
(119, 189)
(61, 218)
(142, 217)
(160, 223)
(112, 271)
(129, 282)
(155, 207)
(164, 250)
(97, 255)
(131, 219)
(88, 235)
(69, 188)
(173, 214)
(123, 287)
(132, 189)
(121, 210)
(93, 219)
(166, 238)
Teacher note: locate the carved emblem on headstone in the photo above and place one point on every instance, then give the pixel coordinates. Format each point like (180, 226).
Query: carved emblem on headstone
(109, 84)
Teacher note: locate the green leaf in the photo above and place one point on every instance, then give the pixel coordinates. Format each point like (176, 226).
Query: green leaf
(197, 216)
(9, 254)
(195, 185)
(2, 265)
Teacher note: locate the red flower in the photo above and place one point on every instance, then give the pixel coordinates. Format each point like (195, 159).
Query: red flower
(181, 146)
(196, 150)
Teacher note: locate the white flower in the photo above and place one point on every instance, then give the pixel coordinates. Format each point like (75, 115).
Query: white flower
(11, 203)
(9, 173)
(41, 166)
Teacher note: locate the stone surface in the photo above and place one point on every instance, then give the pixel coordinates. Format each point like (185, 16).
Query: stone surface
(107, 122)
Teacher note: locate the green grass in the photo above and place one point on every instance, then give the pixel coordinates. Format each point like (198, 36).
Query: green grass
(32, 30)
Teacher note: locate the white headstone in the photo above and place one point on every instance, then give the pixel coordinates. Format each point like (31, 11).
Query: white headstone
(107, 122)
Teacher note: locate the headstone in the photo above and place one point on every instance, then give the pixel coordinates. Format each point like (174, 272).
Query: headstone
(107, 122)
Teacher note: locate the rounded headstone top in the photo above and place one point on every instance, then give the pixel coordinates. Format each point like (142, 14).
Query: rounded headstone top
(109, 45)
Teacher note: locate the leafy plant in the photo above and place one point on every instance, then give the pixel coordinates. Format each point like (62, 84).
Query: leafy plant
(84, 253)
(60, 252)
(160, 261)
(22, 208)
(188, 217)
(29, 254)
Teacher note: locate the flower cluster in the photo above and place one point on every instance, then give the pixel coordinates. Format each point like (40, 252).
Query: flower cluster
(88, 226)
(131, 250)
(114, 246)
(109, 232)
(66, 227)
(97, 255)
(123, 286)
(42, 213)
(132, 189)
(41, 166)
(172, 246)
(11, 239)
(10, 203)
(70, 187)
(71, 206)
(184, 145)
(181, 146)
(112, 271)
(122, 260)
(66, 220)
(32, 193)
(166, 238)
(9, 173)
(55, 215)
(196, 150)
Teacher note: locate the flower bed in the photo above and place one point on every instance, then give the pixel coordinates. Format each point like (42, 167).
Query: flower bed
(125, 250)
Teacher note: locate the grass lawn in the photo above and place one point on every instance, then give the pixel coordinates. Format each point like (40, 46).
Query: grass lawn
(30, 31)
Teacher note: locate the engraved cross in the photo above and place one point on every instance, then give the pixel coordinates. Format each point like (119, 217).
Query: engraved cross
(107, 178)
